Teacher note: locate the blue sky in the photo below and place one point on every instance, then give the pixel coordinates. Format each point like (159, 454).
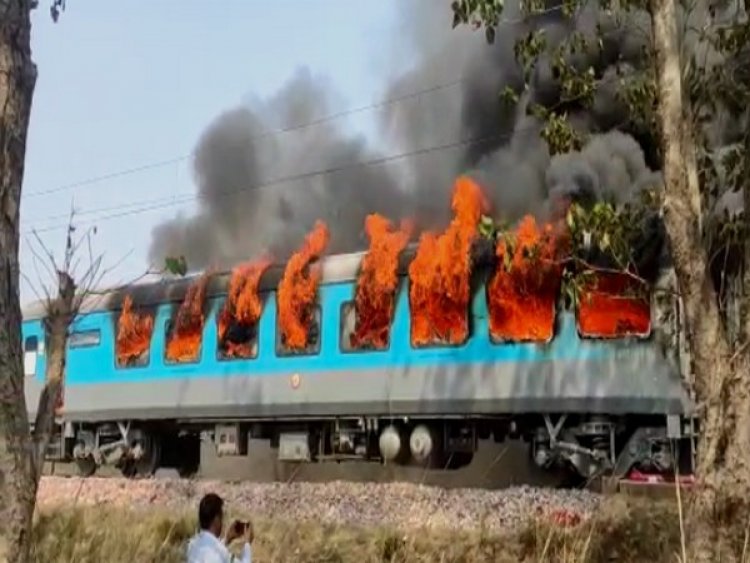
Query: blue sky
(124, 84)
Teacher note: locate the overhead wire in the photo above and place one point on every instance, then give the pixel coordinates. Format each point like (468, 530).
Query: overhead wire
(137, 208)
(281, 130)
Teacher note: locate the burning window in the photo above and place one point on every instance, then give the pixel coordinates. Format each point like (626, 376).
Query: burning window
(312, 345)
(348, 326)
(134, 330)
(297, 294)
(237, 323)
(613, 305)
(185, 332)
(522, 294)
(376, 286)
(440, 274)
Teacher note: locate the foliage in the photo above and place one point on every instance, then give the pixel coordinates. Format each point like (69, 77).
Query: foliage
(626, 531)
(176, 266)
(717, 78)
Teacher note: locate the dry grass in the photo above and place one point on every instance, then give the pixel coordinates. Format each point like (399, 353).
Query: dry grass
(625, 531)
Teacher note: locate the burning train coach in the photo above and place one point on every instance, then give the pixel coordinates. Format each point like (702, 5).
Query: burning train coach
(404, 354)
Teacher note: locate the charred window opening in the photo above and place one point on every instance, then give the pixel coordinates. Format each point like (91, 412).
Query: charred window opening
(312, 321)
(237, 322)
(236, 340)
(184, 332)
(134, 330)
(378, 337)
(522, 294)
(613, 305)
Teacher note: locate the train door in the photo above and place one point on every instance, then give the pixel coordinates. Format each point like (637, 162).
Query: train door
(34, 365)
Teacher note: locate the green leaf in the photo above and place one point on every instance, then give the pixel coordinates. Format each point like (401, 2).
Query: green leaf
(176, 266)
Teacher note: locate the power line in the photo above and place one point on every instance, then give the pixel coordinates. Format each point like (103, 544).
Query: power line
(264, 134)
(155, 205)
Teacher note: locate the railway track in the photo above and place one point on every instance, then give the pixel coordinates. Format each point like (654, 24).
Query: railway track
(495, 466)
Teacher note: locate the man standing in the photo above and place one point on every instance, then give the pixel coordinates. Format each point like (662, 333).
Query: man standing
(207, 546)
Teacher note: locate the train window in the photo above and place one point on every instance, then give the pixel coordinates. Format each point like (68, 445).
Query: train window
(517, 318)
(236, 340)
(182, 349)
(374, 338)
(133, 340)
(30, 353)
(313, 344)
(84, 338)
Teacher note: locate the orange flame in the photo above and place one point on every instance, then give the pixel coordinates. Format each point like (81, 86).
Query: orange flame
(242, 307)
(614, 305)
(185, 339)
(133, 334)
(522, 294)
(440, 273)
(298, 290)
(377, 282)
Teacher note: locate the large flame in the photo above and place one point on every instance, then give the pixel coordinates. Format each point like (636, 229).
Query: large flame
(134, 332)
(242, 308)
(614, 305)
(523, 291)
(377, 282)
(187, 332)
(298, 290)
(440, 273)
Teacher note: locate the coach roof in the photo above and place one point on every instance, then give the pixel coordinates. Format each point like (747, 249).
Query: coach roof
(336, 269)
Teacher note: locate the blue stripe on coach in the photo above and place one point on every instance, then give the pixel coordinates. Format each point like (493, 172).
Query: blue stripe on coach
(96, 364)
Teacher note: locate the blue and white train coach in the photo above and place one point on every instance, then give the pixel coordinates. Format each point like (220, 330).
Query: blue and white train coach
(595, 406)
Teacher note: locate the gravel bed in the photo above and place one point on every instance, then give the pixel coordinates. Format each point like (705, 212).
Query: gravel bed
(400, 505)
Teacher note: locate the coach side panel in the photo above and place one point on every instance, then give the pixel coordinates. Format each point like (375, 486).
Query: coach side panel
(567, 375)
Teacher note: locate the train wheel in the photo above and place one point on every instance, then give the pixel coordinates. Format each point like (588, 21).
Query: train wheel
(148, 464)
(86, 466)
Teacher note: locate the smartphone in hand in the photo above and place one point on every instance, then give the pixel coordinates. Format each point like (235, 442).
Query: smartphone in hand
(239, 528)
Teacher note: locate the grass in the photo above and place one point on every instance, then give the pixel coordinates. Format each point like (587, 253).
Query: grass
(625, 530)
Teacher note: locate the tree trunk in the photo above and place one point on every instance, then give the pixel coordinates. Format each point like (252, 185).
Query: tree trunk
(723, 474)
(57, 336)
(17, 80)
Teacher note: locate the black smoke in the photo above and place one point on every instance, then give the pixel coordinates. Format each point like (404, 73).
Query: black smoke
(260, 191)
(478, 130)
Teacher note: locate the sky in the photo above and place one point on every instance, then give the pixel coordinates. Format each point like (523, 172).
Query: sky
(131, 85)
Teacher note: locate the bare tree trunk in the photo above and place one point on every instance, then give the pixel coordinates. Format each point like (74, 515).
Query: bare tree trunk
(722, 495)
(45, 417)
(60, 313)
(17, 80)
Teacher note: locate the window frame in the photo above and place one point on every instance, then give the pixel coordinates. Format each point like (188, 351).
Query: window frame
(75, 346)
(167, 331)
(439, 346)
(150, 344)
(351, 349)
(255, 340)
(27, 352)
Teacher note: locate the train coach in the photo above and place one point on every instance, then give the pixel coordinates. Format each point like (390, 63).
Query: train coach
(592, 405)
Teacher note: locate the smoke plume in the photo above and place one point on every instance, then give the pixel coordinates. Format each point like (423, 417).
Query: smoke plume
(243, 211)
(261, 191)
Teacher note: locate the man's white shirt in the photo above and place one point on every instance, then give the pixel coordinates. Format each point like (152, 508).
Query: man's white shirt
(207, 548)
